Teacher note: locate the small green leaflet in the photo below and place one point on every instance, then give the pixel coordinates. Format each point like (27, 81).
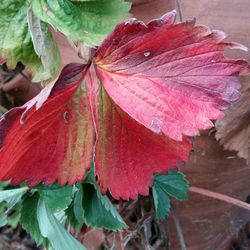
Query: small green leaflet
(56, 197)
(173, 184)
(82, 21)
(51, 228)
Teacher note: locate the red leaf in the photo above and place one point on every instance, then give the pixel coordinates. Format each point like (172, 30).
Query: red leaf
(127, 153)
(51, 137)
(170, 78)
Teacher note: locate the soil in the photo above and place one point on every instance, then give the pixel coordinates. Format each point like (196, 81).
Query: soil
(16, 239)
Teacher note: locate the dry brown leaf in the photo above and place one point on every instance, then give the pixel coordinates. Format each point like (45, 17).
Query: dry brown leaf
(233, 130)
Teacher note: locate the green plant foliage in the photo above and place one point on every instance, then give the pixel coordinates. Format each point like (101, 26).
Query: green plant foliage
(28, 218)
(56, 197)
(71, 218)
(98, 211)
(77, 208)
(14, 217)
(44, 46)
(16, 41)
(94, 209)
(161, 202)
(3, 220)
(3, 184)
(12, 196)
(51, 228)
(82, 21)
(173, 184)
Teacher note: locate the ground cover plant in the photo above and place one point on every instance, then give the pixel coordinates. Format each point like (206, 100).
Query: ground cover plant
(111, 128)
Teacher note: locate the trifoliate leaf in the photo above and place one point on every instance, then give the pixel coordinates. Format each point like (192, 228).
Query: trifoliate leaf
(51, 228)
(98, 211)
(56, 197)
(173, 184)
(28, 218)
(134, 94)
(88, 21)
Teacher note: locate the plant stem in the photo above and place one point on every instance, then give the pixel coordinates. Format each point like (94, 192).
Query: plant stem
(178, 229)
(178, 7)
(221, 197)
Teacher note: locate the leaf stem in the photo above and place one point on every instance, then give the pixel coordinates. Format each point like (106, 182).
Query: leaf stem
(178, 7)
(178, 228)
(221, 197)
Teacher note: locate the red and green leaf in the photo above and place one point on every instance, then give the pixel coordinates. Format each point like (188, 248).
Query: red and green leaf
(127, 154)
(170, 78)
(51, 137)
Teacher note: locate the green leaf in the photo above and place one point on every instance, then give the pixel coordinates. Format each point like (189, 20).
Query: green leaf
(28, 218)
(51, 228)
(98, 211)
(90, 176)
(14, 217)
(56, 197)
(4, 184)
(15, 40)
(44, 46)
(71, 218)
(3, 220)
(173, 184)
(84, 21)
(161, 202)
(16, 43)
(78, 209)
(12, 196)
